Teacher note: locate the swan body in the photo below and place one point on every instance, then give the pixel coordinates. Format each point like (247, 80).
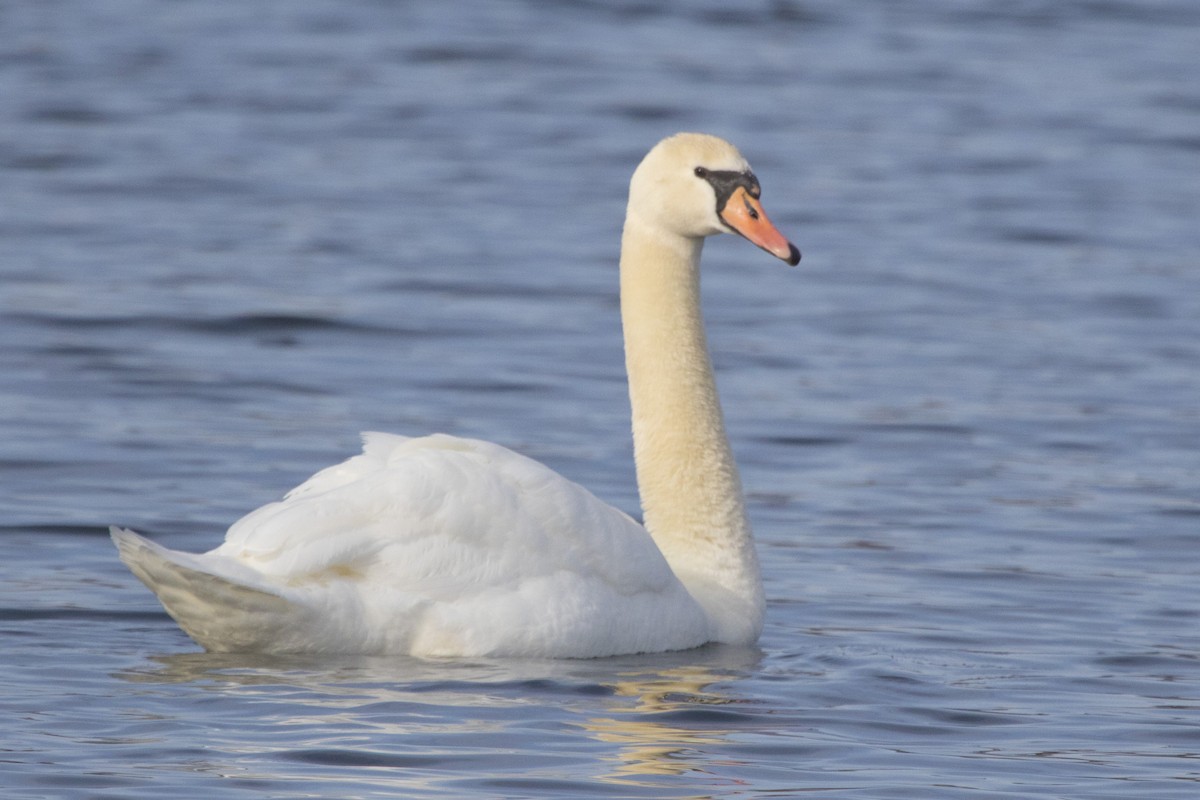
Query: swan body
(444, 546)
(432, 546)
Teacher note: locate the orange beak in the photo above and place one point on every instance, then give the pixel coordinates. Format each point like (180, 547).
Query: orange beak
(745, 215)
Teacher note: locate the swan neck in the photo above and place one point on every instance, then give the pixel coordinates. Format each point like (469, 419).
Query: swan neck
(690, 489)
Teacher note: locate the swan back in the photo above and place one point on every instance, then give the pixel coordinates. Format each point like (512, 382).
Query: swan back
(431, 546)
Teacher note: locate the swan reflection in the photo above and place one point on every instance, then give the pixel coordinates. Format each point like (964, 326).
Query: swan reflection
(644, 719)
(652, 736)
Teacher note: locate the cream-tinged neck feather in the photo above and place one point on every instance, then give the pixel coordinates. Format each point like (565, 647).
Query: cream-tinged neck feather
(689, 484)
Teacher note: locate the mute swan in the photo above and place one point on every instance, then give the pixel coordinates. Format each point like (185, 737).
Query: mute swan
(442, 546)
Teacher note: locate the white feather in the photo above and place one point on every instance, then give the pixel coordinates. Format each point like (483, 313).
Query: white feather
(397, 563)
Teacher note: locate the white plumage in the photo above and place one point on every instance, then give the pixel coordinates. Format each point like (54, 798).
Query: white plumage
(443, 546)
(430, 546)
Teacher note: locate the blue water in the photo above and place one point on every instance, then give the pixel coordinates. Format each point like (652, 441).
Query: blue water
(233, 235)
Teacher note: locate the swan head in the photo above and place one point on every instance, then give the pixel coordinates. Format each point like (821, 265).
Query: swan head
(695, 185)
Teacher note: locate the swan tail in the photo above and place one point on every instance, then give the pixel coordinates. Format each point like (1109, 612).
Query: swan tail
(219, 613)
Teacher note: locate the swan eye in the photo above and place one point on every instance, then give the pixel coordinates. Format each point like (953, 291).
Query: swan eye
(701, 172)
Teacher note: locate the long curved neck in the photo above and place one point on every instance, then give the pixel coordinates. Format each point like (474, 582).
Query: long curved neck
(689, 484)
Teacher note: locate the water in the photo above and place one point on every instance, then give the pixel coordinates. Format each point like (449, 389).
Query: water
(236, 234)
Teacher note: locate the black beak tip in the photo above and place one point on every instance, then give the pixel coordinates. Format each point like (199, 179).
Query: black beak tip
(793, 255)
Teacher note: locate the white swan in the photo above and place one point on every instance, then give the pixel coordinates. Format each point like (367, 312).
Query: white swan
(441, 546)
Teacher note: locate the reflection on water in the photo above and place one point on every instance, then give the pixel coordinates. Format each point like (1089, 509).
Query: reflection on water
(648, 745)
(651, 716)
